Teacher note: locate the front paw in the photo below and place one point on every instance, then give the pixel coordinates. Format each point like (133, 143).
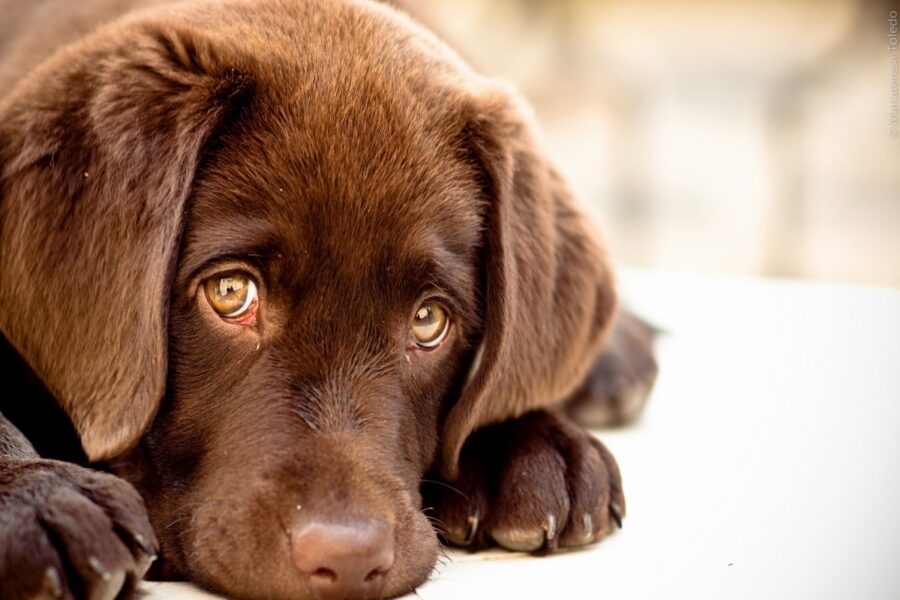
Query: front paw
(535, 483)
(70, 532)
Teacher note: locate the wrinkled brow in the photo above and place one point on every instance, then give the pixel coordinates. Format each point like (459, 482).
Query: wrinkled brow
(230, 237)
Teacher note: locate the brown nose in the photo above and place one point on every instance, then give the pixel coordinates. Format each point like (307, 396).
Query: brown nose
(344, 559)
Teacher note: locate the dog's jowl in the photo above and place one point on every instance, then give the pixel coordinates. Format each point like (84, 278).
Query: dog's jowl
(268, 268)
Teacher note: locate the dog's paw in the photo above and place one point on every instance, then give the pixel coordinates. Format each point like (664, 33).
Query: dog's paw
(537, 483)
(70, 532)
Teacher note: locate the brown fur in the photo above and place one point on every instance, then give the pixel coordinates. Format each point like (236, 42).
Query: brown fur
(352, 164)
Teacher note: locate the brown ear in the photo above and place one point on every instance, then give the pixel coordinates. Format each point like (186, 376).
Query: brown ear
(549, 293)
(98, 149)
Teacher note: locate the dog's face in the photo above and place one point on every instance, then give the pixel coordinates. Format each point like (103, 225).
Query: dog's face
(324, 308)
(326, 252)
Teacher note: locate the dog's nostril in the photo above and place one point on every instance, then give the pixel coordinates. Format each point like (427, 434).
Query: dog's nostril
(327, 575)
(339, 559)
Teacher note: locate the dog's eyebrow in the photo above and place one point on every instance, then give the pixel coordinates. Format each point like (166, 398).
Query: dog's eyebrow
(225, 239)
(441, 268)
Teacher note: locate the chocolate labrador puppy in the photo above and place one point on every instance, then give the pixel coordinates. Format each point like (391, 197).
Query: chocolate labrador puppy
(297, 275)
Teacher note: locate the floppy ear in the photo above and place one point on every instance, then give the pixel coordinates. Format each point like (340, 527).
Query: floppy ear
(98, 150)
(549, 292)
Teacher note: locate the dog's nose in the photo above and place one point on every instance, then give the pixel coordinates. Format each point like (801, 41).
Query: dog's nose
(344, 559)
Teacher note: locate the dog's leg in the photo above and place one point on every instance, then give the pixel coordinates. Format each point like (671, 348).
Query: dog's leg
(621, 378)
(541, 482)
(67, 531)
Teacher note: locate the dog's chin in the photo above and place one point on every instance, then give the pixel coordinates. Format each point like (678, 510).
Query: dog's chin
(236, 550)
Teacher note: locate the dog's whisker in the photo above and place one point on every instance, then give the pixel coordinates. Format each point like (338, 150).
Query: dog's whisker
(446, 485)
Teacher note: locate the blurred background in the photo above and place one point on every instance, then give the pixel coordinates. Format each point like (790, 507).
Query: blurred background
(750, 137)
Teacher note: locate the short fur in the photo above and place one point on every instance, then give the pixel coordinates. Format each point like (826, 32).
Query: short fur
(351, 163)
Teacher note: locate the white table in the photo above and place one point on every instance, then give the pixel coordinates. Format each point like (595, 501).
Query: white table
(767, 464)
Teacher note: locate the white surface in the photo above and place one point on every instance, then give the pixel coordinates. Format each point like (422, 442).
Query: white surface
(767, 464)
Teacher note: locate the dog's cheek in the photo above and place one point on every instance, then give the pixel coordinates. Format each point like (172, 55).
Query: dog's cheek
(232, 538)
(428, 393)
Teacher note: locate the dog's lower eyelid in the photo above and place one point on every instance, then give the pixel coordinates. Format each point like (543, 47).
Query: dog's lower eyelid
(247, 317)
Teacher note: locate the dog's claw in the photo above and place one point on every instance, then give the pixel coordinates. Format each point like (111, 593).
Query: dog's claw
(147, 555)
(587, 524)
(616, 513)
(110, 584)
(52, 583)
(472, 531)
(99, 569)
(144, 545)
(550, 529)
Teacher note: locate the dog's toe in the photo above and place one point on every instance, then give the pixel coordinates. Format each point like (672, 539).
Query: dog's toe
(68, 532)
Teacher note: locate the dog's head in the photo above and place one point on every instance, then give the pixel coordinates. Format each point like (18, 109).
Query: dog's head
(279, 262)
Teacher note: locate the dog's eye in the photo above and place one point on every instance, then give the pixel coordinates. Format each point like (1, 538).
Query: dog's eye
(430, 324)
(231, 295)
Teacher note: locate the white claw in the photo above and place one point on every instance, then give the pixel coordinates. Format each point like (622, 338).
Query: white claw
(98, 568)
(472, 529)
(551, 527)
(52, 583)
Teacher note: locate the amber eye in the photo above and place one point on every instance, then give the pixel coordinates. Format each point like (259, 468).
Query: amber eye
(232, 294)
(430, 324)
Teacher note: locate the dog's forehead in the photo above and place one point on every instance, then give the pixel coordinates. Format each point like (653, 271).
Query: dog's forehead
(358, 186)
(349, 149)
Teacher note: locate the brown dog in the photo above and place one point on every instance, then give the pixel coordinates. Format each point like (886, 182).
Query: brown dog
(281, 263)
